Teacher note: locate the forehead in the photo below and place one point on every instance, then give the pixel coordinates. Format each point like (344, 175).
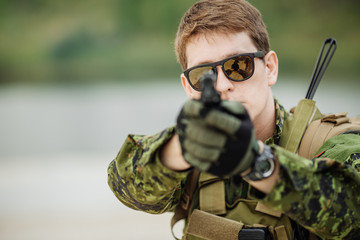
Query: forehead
(213, 47)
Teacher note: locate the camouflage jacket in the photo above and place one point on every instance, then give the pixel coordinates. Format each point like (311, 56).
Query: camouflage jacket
(321, 194)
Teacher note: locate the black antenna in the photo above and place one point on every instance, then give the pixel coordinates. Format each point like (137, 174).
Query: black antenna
(321, 67)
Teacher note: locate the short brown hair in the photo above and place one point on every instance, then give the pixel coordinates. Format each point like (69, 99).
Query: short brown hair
(222, 16)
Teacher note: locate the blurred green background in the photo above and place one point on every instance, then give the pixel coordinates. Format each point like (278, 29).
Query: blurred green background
(87, 41)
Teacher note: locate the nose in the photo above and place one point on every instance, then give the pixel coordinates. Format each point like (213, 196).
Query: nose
(223, 84)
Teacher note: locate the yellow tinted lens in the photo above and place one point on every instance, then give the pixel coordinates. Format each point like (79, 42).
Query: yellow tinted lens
(239, 68)
(196, 74)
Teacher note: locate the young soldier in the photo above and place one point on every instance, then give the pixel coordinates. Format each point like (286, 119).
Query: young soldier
(231, 138)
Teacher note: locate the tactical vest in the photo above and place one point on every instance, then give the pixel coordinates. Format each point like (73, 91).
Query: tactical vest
(304, 132)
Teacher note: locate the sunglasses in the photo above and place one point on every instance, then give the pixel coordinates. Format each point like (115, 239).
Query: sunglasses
(237, 68)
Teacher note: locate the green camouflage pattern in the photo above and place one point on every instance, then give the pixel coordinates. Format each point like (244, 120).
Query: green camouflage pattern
(139, 180)
(321, 194)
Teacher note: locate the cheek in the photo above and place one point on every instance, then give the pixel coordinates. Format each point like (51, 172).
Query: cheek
(192, 94)
(255, 98)
(196, 95)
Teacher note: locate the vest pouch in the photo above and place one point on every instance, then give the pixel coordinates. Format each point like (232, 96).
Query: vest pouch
(253, 213)
(325, 128)
(207, 226)
(246, 214)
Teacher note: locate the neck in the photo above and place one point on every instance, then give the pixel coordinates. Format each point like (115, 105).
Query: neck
(265, 122)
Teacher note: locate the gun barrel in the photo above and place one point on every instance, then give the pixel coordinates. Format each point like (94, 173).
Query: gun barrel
(209, 95)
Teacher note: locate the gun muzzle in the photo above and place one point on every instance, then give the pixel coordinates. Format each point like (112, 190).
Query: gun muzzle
(209, 94)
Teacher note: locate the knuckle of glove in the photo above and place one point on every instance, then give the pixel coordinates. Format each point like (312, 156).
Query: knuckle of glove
(223, 121)
(192, 108)
(196, 162)
(198, 132)
(201, 152)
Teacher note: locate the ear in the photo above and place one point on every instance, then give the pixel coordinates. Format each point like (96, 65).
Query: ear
(188, 89)
(272, 67)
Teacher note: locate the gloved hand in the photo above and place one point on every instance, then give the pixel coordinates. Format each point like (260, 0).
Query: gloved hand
(219, 140)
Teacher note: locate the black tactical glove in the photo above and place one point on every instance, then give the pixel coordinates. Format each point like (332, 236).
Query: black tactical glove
(219, 140)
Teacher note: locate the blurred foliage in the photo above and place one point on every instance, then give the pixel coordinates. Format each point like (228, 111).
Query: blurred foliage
(48, 41)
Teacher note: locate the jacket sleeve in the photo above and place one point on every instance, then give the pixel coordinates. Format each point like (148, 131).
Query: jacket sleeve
(138, 178)
(321, 194)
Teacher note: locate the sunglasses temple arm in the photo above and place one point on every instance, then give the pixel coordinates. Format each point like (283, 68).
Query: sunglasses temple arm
(319, 71)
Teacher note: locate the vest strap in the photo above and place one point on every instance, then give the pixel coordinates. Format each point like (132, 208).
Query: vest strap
(212, 196)
(281, 233)
(183, 208)
(294, 127)
(336, 119)
(260, 207)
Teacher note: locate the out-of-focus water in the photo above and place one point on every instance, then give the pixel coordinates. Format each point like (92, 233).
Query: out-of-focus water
(56, 144)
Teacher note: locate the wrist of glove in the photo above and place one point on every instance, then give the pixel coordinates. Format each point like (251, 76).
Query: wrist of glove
(219, 140)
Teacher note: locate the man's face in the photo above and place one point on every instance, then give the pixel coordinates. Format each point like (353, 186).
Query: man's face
(255, 92)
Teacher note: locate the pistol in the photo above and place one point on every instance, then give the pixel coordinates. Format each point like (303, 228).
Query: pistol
(209, 96)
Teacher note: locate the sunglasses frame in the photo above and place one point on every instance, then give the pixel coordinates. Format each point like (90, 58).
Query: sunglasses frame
(259, 54)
